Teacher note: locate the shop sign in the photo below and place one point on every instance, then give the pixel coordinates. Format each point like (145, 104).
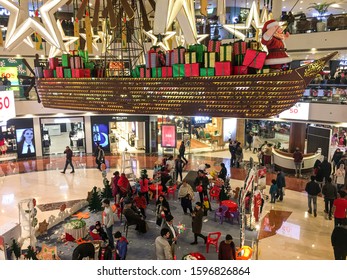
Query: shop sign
(119, 118)
(343, 63)
(168, 136)
(300, 111)
(7, 106)
(4, 12)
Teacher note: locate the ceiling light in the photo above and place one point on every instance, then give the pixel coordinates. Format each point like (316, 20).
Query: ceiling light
(301, 2)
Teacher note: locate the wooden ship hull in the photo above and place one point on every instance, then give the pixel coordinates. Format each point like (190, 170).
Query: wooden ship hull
(239, 96)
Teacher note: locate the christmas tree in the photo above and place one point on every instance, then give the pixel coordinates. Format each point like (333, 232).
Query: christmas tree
(30, 254)
(107, 192)
(15, 249)
(95, 201)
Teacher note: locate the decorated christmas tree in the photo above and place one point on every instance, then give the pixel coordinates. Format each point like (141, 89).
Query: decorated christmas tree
(30, 254)
(15, 249)
(95, 201)
(107, 191)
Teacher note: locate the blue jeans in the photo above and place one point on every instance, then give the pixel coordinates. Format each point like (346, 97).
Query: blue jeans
(312, 198)
(110, 236)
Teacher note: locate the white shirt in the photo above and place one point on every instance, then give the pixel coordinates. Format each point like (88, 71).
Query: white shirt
(25, 148)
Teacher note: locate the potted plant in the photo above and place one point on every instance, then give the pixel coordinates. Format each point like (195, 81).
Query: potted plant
(322, 9)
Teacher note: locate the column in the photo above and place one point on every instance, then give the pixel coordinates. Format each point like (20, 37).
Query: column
(240, 131)
(277, 9)
(297, 137)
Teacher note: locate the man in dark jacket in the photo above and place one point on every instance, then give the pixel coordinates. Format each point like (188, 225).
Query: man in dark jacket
(297, 156)
(326, 168)
(312, 189)
(202, 180)
(68, 161)
(338, 240)
(330, 193)
(281, 183)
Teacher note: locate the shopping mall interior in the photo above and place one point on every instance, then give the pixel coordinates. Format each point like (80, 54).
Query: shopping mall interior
(134, 140)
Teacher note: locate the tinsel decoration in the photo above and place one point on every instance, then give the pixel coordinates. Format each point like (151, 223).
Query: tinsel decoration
(76, 33)
(38, 38)
(89, 36)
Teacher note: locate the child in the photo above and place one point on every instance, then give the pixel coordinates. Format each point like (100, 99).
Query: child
(100, 231)
(141, 203)
(105, 252)
(121, 246)
(273, 191)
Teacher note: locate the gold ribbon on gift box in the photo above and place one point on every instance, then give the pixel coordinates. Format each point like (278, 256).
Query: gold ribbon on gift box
(190, 57)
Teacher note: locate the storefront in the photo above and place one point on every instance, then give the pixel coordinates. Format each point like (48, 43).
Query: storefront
(117, 133)
(57, 133)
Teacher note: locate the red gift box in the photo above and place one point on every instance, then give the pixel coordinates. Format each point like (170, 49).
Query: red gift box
(87, 73)
(214, 46)
(48, 73)
(78, 62)
(145, 72)
(169, 58)
(240, 70)
(53, 63)
(254, 59)
(60, 72)
(192, 70)
(78, 73)
(166, 71)
(240, 47)
(152, 60)
(223, 68)
(179, 55)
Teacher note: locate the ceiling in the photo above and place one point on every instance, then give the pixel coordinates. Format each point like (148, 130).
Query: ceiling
(338, 8)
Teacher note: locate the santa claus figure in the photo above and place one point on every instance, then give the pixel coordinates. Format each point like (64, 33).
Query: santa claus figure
(273, 39)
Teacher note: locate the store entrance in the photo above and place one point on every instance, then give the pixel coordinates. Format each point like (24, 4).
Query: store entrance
(128, 136)
(57, 133)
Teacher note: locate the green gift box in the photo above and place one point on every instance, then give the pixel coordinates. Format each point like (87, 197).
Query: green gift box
(89, 65)
(206, 72)
(199, 49)
(54, 73)
(84, 55)
(210, 59)
(135, 73)
(156, 72)
(226, 52)
(190, 57)
(65, 60)
(238, 59)
(67, 73)
(178, 70)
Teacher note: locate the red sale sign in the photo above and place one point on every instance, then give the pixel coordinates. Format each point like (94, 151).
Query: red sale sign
(7, 107)
(168, 136)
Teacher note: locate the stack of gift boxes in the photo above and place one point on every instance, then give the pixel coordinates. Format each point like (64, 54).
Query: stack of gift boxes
(217, 59)
(76, 64)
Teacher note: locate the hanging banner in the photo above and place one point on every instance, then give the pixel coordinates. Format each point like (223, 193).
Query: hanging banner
(7, 106)
(168, 136)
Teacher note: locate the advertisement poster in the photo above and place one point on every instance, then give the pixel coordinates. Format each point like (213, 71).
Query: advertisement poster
(168, 136)
(25, 142)
(100, 135)
(11, 73)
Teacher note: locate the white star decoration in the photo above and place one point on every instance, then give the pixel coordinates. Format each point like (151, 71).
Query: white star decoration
(252, 20)
(21, 26)
(105, 37)
(164, 44)
(69, 40)
(95, 39)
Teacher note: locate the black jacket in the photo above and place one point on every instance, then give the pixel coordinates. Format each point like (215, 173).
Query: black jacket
(312, 188)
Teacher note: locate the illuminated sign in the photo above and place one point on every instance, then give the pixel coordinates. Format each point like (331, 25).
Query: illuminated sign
(168, 136)
(7, 107)
(4, 12)
(299, 111)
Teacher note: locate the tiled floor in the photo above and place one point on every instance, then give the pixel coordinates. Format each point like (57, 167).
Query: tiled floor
(287, 231)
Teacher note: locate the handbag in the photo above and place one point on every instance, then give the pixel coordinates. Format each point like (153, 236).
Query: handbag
(199, 188)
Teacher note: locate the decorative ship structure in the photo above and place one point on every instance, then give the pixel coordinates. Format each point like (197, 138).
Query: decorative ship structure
(207, 83)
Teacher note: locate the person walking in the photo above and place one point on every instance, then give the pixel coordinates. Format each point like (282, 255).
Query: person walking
(312, 189)
(169, 220)
(330, 193)
(273, 191)
(338, 241)
(68, 161)
(298, 157)
(100, 157)
(182, 150)
(326, 168)
(223, 172)
(179, 165)
(163, 249)
(249, 140)
(340, 209)
(197, 217)
(186, 195)
(108, 221)
(232, 150)
(201, 180)
(227, 249)
(256, 143)
(340, 176)
(281, 184)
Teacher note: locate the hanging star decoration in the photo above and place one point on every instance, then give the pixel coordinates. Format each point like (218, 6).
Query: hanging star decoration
(21, 25)
(160, 40)
(95, 38)
(105, 37)
(253, 19)
(68, 40)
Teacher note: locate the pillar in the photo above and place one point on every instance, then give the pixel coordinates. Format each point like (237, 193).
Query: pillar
(277, 9)
(297, 137)
(240, 131)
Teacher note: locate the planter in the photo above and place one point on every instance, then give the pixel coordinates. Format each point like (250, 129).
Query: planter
(321, 26)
